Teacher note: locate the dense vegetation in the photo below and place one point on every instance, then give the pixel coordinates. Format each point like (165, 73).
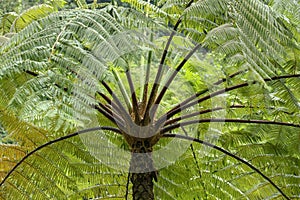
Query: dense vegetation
(167, 99)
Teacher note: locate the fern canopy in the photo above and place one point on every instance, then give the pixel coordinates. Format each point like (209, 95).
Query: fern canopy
(223, 72)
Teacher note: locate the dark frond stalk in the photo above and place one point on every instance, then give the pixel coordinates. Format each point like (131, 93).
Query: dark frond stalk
(102, 109)
(135, 106)
(127, 186)
(157, 80)
(109, 101)
(147, 77)
(123, 90)
(206, 90)
(179, 67)
(107, 128)
(229, 154)
(185, 104)
(216, 120)
(172, 121)
(31, 73)
(113, 117)
(160, 67)
(125, 115)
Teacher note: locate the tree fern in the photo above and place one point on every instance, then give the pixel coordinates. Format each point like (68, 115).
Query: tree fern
(73, 101)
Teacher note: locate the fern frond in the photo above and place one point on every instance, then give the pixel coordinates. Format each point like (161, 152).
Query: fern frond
(29, 15)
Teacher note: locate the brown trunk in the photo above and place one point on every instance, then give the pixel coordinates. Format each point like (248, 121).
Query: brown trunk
(142, 171)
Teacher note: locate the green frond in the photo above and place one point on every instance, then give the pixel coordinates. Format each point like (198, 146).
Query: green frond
(134, 19)
(73, 48)
(52, 75)
(240, 29)
(146, 7)
(21, 131)
(10, 154)
(3, 39)
(81, 4)
(6, 22)
(174, 8)
(30, 15)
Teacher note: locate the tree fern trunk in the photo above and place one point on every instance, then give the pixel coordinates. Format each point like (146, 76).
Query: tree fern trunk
(142, 171)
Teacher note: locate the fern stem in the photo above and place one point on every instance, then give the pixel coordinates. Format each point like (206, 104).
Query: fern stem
(229, 154)
(216, 120)
(113, 117)
(179, 67)
(147, 76)
(122, 89)
(119, 105)
(107, 128)
(135, 106)
(172, 121)
(160, 68)
(185, 104)
(206, 90)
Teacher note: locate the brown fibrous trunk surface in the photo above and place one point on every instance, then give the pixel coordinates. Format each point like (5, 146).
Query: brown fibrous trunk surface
(142, 171)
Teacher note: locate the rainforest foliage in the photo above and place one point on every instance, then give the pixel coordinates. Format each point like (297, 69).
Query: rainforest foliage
(165, 99)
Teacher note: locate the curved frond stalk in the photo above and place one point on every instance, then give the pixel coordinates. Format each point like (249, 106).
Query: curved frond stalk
(169, 81)
(198, 113)
(122, 89)
(185, 104)
(210, 120)
(229, 154)
(13, 153)
(135, 106)
(55, 141)
(158, 76)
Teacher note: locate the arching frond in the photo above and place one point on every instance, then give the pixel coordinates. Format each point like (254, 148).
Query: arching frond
(30, 15)
(71, 47)
(245, 29)
(187, 70)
